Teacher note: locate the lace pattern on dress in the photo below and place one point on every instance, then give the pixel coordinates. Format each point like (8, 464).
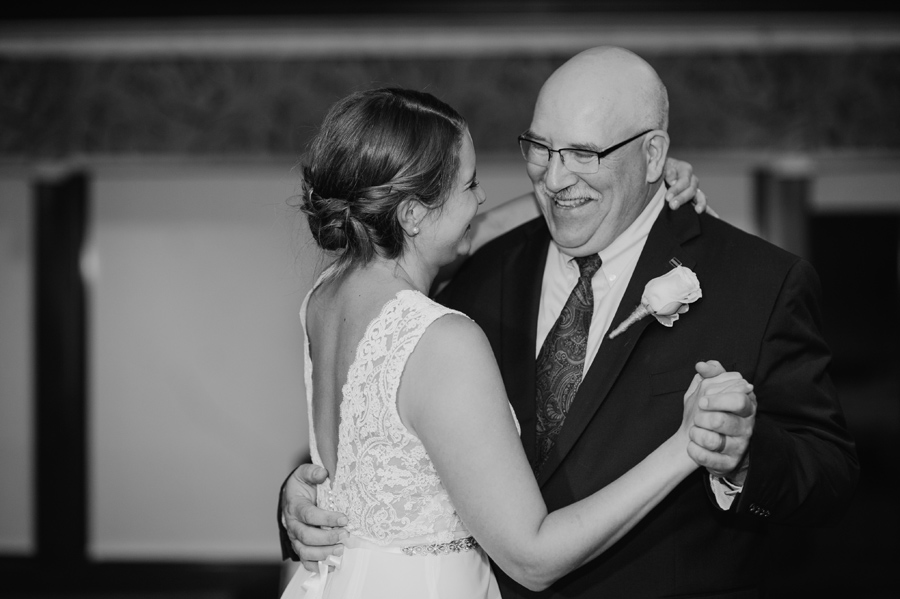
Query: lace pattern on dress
(384, 480)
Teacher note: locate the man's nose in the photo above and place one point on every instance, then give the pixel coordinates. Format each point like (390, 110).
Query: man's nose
(558, 177)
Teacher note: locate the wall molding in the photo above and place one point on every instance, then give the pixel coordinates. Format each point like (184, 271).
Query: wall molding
(448, 36)
(787, 101)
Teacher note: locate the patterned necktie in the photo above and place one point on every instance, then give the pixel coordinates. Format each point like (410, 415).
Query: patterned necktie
(560, 363)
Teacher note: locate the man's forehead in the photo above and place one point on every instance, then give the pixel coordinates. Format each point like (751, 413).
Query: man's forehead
(571, 126)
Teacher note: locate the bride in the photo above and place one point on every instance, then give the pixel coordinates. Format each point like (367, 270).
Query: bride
(407, 409)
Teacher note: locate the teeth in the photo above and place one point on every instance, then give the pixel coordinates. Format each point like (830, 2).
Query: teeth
(573, 203)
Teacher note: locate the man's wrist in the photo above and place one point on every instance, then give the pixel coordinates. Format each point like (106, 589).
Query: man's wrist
(737, 476)
(723, 491)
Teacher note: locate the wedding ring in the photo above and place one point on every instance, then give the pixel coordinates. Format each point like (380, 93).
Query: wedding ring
(721, 446)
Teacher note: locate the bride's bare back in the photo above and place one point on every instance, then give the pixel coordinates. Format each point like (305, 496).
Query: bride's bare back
(337, 315)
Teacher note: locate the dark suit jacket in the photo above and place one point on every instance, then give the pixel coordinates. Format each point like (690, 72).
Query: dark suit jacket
(759, 315)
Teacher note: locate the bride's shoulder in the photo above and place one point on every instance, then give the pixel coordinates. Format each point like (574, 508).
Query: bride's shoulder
(452, 333)
(451, 371)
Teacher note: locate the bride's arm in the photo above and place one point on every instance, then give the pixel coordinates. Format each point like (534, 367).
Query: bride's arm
(452, 397)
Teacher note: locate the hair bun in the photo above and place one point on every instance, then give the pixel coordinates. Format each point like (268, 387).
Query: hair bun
(329, 220)
(374, 150)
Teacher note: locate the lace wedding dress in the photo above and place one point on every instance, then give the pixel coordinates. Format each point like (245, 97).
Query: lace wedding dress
(406, 539)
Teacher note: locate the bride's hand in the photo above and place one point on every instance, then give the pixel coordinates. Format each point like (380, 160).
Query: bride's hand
(683, 187)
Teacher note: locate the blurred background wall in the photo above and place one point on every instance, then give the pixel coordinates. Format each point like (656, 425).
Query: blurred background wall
(152, 402)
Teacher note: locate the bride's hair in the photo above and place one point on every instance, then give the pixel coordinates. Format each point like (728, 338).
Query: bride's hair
(374, 150)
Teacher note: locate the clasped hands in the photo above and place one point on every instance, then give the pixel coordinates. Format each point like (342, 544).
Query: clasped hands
(722, 421)
(720, 412)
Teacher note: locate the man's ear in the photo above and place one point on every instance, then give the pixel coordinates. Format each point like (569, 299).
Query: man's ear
(657, 148)
(410, 214)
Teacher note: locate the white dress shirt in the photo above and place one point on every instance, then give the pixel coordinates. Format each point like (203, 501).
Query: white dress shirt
(609, 283)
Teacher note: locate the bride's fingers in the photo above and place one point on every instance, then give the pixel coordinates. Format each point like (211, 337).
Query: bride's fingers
(709, 368)
(681, 182)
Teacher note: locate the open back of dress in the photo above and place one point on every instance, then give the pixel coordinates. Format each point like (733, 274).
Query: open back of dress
(406, 539)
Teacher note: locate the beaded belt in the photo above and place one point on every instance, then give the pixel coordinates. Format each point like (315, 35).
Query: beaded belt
(456, 546)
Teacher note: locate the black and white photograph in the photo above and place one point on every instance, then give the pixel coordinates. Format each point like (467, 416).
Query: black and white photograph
(449, 300)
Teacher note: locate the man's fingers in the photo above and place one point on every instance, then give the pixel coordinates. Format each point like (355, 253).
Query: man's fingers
(724, 423)
(709, 440)
(311, 555)
(309, 514)
(717, 463)
(311, 474)
(318, 538)
(310, 565)
(738, 400)
(315, 544)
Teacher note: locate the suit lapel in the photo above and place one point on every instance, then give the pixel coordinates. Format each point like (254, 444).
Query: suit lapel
(523, 270)
(671, 229)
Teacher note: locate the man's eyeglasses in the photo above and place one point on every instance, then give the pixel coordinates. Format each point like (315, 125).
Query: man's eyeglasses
(576, 160)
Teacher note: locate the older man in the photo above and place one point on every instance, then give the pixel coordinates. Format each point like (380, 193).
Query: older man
(594, 151)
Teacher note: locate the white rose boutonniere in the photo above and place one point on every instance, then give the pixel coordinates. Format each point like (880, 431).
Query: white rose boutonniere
(666, 298)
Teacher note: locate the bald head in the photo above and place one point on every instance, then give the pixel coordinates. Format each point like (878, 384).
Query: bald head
(609, 102)
(611, 86)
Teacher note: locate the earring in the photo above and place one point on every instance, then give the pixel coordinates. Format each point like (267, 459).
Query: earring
(415, 231)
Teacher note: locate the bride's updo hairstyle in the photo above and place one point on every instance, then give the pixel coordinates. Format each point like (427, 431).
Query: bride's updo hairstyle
(374, 150)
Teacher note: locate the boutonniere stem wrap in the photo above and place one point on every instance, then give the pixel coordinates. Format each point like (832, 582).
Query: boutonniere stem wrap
(665, 298)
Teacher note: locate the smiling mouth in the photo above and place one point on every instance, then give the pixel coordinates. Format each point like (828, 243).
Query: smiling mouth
(571, 202)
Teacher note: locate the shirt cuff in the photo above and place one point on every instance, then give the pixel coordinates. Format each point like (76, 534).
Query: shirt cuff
(724, 491)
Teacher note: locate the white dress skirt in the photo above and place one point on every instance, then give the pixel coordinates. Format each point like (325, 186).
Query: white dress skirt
(370, 571)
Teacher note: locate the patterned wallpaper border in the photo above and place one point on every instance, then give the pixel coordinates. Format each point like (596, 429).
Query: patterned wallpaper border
(799, 101)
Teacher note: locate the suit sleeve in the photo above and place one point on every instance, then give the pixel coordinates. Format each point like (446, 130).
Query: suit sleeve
(287, 552)
(803, 463)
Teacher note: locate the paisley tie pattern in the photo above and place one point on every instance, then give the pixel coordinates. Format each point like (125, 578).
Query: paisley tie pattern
(560, 363)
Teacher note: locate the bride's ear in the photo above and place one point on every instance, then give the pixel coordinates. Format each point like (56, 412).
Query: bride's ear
(410, 214)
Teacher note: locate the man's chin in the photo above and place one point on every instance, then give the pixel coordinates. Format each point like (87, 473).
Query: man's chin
(572, 246)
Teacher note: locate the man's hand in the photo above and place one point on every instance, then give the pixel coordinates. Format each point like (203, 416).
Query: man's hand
(683, 187)
(314, 533)
(723, 426)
